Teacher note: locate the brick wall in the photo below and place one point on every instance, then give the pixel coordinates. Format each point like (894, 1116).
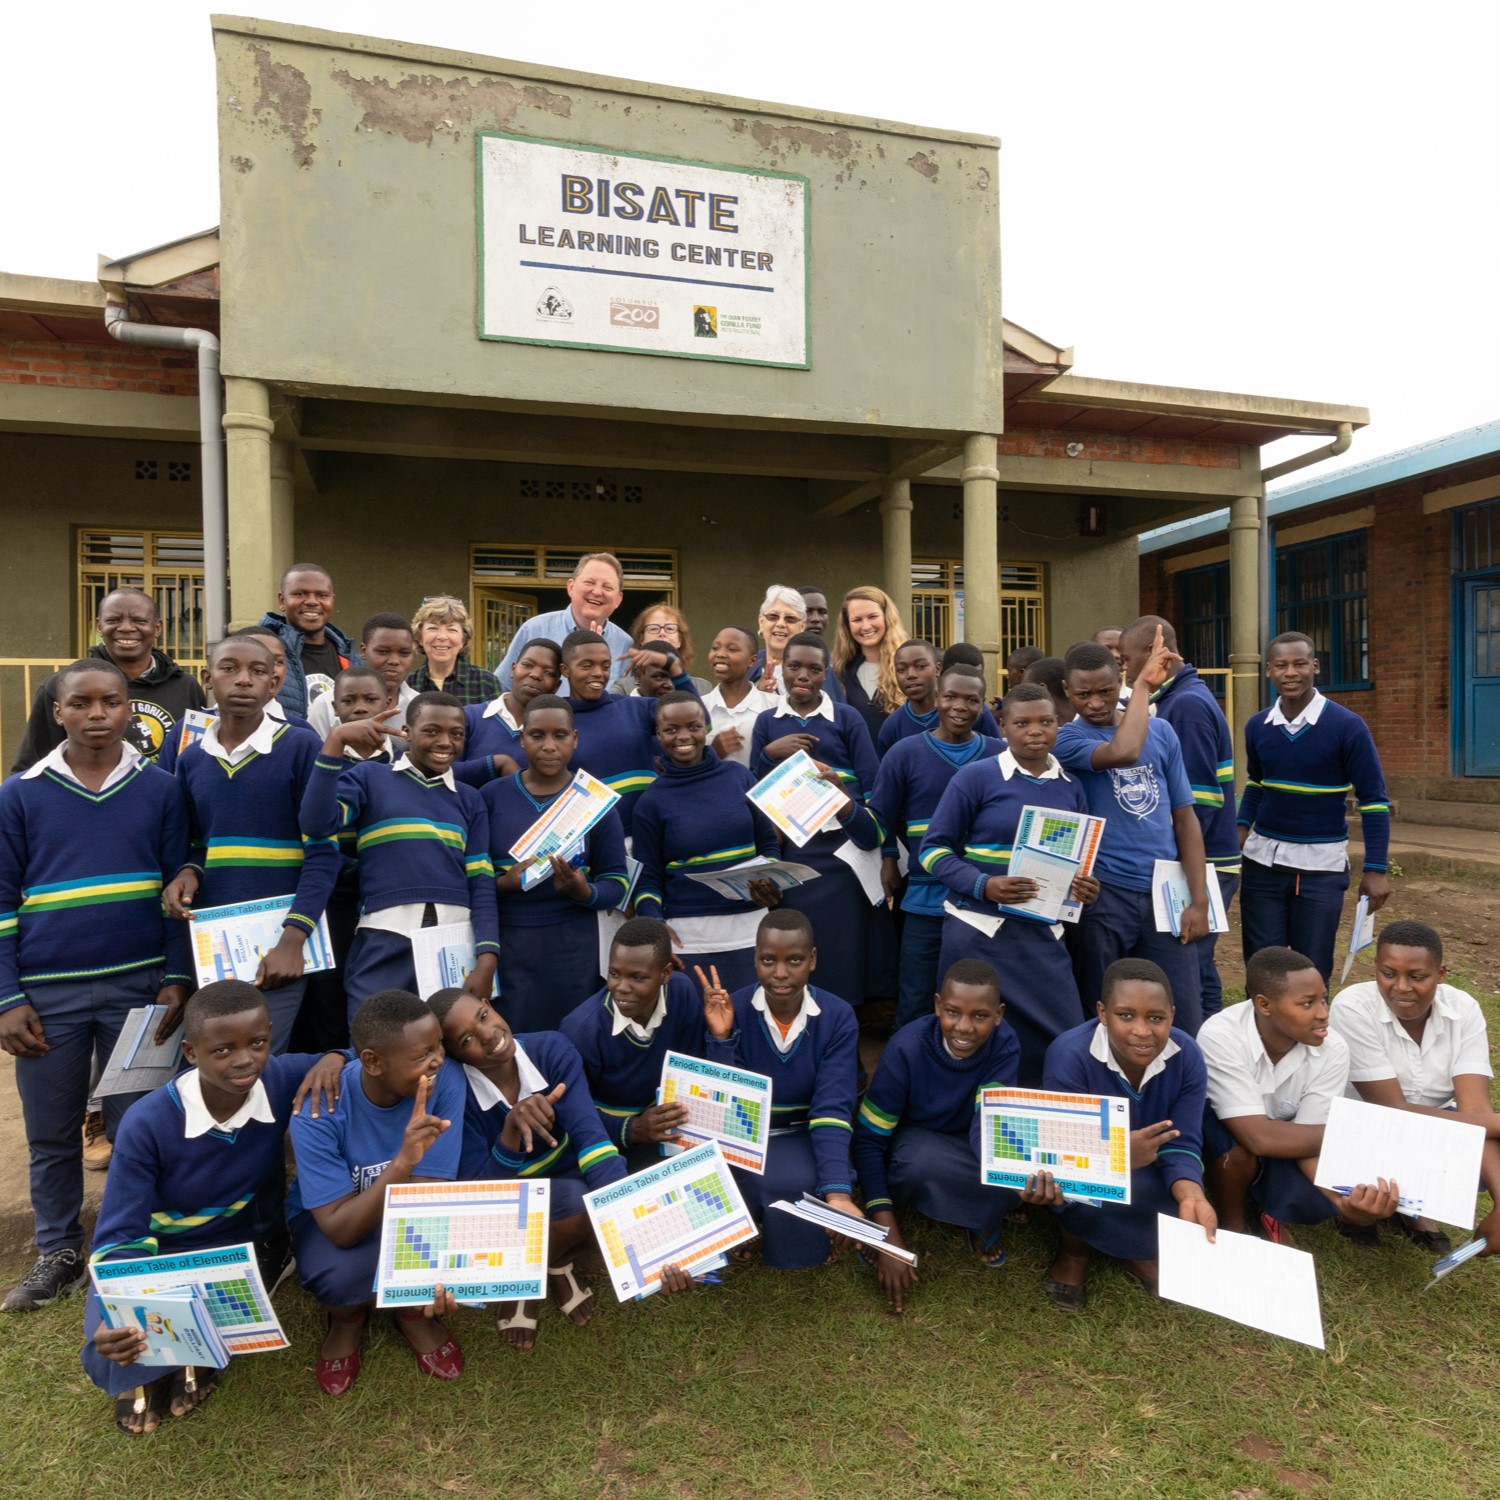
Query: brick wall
(99, 367)
(1113, 447)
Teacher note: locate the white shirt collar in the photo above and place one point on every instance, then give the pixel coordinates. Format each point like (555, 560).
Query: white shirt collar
(258, 743)
(824, 710)
(55, 760)
(1009, 768)
(640, 1031)
(274, 710)
(1444, 1008)
(199, 1121)
(404, 764)
(757, 699)
(1100, 1050)
(487, 1096)
(810, 1007)
(496, 709)
(1309, 715)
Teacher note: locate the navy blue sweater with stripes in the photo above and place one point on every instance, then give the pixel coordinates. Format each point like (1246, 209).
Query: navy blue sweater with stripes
(1185, 702)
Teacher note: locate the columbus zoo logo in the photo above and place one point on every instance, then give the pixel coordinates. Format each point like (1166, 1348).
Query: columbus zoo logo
(1137, 790)
(552, 305)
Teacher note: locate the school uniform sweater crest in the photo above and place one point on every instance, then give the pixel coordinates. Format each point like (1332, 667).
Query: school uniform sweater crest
(693, 820)
(623, 1068)
(813, 1082)
(81, 876)
(247, 842)
(919, 1082)
(581, 1142)
(169, 1192)
(419, 838)
(1185, 702)
(913, 777)
(1298, 780)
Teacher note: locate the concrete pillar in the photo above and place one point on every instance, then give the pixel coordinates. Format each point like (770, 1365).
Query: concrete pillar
(982, 553)
(895, 527)
(1244, 622)
(254, 544)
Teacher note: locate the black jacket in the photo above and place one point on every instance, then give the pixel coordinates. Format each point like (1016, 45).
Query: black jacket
(158, 699)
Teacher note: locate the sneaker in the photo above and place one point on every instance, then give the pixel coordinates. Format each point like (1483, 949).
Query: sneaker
(96, 1147)
(53, 1276)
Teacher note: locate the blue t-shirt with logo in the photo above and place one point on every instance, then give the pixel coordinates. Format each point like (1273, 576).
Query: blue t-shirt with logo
(344, 1151)
(1136, 801)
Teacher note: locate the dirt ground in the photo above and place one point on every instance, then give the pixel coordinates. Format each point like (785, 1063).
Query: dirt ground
(1462, 900)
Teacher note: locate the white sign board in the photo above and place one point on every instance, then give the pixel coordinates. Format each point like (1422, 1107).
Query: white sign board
(595, 249)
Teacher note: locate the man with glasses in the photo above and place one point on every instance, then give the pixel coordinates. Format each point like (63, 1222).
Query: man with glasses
(595, 591)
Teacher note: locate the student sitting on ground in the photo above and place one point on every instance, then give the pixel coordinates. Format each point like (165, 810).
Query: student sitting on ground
(528, 1113)
(807, 1041)
(1417, 1043)
(1274, 1070)
(423, 844)
(911, 1137)
(345, 1161)
(646, 1009)
(213, 1135)
(1132, 1051)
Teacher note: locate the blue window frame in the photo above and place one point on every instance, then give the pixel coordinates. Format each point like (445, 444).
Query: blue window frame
(1320, 590)
(1203, 618)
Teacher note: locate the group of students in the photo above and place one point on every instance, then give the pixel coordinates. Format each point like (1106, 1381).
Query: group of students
(388, 798)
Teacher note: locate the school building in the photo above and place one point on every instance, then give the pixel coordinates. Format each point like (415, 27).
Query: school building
(1393, 568)
(464, 319)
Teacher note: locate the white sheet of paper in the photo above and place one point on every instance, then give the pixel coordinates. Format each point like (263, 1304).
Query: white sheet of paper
(137, 1065)
(866, 865)
(1435, 1162)
(442, 956)
(794, 796)
(610, 922)
(1169, 873)
(1360, 937)
(1240, 1277)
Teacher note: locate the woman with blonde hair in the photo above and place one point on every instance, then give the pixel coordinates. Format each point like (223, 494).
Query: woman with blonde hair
(865, 643)
(442, 632)
(658, 625)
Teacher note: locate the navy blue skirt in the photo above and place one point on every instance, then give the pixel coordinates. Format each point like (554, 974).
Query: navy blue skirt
(938, 1175)
(547, 971)
(1125, 1233)
(836, 906)
(788, 1243)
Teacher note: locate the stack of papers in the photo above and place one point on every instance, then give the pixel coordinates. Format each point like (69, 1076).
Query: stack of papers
(178, 1326)
(1361, 936)
(734, 884)
(1053, 847)
(230, 941)
(1170, 897)
(138, 1064)
(865, 1231)
(443, 957)
(563, 828)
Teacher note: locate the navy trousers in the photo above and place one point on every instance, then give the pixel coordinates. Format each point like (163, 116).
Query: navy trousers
(1208, 970)
(921, 944)
(378, 961)
(1281, 1187)
(1120, 925)
(1300, 909)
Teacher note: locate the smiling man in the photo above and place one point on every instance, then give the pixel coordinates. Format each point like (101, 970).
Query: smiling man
(595, 591)
(316, 649)
(160, 691)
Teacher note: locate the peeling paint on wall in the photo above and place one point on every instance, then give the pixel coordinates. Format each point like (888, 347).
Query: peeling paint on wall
(836, 143)
(923, 163)
(419, 106)
(286, 95)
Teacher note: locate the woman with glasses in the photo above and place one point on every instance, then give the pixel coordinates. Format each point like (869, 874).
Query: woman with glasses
(443, 632)
(661, 624)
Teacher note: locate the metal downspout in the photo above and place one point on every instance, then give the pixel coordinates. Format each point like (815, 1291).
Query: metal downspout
(211, 450)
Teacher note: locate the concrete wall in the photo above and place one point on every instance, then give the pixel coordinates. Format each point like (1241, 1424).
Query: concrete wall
(349, 264)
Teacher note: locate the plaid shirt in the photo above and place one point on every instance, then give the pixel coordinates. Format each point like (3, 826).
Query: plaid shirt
(469, 684)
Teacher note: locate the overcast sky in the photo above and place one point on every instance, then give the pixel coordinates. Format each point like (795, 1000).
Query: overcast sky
(1289, 199)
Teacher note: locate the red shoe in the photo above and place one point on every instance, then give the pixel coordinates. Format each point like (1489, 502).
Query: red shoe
(336, 1377)
(446, 1362)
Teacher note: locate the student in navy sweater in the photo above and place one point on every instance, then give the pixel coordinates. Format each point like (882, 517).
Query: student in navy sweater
(967, 848)
(834, 735)
(911, 1137)
(913, 777)
(214, 1135)
(696, 819)
(528, 1113)
(1130, 768)
(646, 1009)
(918, 668)
(244, 782)
(1185, 702)
(1302, 759)
(493, 729)
(806, 1041)
(423, 844)
(89, 835)
(399, 1102)
(1132, 1051)
(549, 935)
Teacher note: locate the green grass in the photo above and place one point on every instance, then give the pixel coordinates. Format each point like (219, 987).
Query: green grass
(799, 1384)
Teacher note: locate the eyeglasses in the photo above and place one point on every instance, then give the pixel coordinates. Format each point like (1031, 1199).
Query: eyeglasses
(667, 627)
(782, 619)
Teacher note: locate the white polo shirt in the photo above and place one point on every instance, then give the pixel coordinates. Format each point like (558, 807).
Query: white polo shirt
(742, 717)
(1454, 1042)
(1242, 1080)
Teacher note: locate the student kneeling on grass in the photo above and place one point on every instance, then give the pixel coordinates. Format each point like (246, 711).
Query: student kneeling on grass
(398, 1103)
(645, 1010)
(528, 1113)
(1132, 1051)
(1419, 1044)
(911, 1138)
(1274, 1070)
(807, 1041)
(213, 1135)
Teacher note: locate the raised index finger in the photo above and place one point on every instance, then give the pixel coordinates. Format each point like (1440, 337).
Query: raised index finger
(419, 1104)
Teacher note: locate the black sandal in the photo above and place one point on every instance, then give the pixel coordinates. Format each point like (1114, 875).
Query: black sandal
(1064, 1297)
(192, 1380)
(141, 1402)
(1433, 1241)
